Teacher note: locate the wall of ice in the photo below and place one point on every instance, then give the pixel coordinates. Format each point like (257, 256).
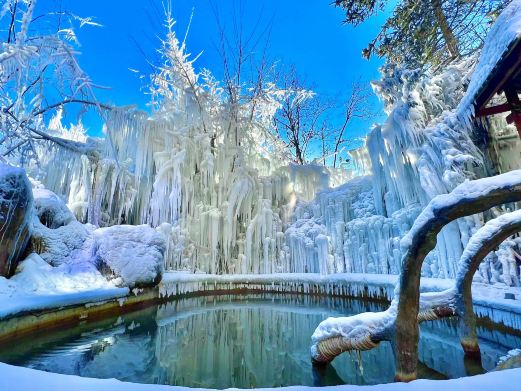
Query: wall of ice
(206, 171)
(423, 149)
(212, 178)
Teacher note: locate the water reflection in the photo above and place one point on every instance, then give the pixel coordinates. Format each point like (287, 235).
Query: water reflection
(241, 341)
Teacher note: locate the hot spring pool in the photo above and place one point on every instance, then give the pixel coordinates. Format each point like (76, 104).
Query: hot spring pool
(240, 341)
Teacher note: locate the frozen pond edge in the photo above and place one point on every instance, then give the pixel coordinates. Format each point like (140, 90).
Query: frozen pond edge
(489, 302)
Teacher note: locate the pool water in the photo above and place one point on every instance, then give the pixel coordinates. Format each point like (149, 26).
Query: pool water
(244, 341)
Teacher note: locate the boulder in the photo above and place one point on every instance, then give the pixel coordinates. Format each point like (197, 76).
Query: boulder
(130, 256)
(15, 217)
(50, 209)
(57, 236)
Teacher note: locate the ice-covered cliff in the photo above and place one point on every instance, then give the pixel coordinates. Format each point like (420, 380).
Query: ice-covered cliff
(208, 173)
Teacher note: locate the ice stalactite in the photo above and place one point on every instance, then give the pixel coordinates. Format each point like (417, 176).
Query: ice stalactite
(210, 176)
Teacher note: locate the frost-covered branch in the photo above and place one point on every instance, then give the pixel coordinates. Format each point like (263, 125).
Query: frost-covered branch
(485, 240)
(38, 65)
(469, 198)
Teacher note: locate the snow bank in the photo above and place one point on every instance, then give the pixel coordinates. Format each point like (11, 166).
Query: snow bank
(38, 285)
(22, 379)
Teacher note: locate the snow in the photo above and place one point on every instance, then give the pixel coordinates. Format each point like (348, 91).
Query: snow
(506, 30)
(37, 286)
(511, 353)
(209, 192)
(22, 379)
(133, 254)
(8, 170)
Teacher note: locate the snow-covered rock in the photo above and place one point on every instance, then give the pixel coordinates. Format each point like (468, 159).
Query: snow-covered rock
(511, 360)
(132, 256)
(56, 234)
(15, 211)
(50, 209)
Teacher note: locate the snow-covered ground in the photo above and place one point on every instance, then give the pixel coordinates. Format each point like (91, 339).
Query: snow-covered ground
(23, 379)
(39, 286)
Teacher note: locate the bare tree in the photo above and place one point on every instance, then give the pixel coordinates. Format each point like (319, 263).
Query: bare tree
(246, 67)
(355, 106)
(297, 122)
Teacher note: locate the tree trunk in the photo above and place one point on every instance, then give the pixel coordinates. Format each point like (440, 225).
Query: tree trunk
(298, 153)
(432, 220)
(501, 228)
(448, 35)
(402, 331)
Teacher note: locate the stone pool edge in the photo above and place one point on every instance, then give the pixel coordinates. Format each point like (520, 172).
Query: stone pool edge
(69, 310)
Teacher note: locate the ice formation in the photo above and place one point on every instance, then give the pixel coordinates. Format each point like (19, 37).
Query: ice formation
(211, 178)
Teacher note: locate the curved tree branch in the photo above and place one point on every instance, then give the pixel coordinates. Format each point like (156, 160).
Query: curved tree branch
(467, 199)
(364, 331)
(480, 245)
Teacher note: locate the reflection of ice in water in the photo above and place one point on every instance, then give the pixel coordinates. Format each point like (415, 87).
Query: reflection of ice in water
(247, 341)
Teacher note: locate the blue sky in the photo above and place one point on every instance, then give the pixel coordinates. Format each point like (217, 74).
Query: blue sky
(308, 34)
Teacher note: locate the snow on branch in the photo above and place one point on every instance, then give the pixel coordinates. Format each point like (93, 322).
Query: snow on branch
(39, 74)
(400, 321)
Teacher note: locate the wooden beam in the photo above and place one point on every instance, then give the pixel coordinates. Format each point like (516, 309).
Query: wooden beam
(513, 100)
(486, 111)
(503, 72)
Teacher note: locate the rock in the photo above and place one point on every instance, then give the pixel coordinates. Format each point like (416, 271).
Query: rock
(15, 217)
(50, 209)
(510, 361)
(57, 236)
(130, 256)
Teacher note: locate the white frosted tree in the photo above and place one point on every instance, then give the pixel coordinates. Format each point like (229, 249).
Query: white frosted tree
(39, 74)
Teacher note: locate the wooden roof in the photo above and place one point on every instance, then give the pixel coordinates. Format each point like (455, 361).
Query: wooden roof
(506, 77)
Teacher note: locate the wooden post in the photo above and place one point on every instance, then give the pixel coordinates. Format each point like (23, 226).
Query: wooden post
(515, 105)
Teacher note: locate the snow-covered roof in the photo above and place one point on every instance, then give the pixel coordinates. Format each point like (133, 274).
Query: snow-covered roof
(503, 36)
